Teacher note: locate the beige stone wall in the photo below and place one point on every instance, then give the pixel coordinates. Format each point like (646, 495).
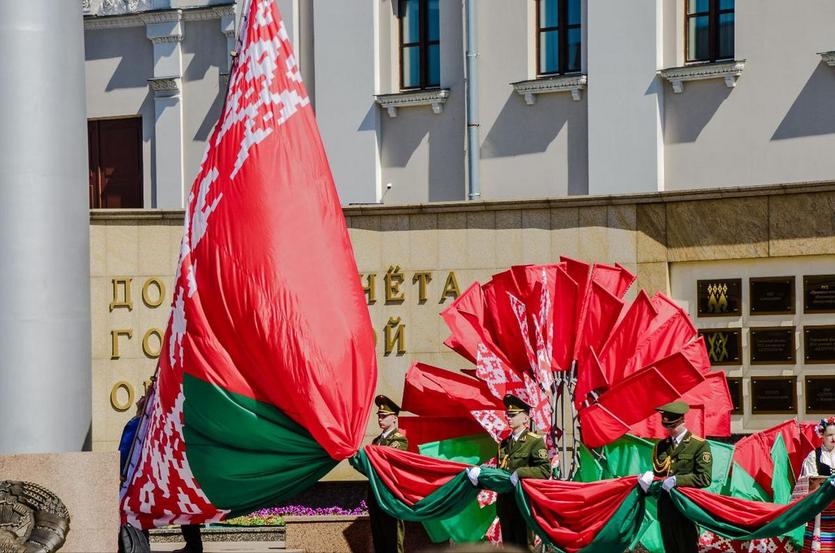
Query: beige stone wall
(650, 234)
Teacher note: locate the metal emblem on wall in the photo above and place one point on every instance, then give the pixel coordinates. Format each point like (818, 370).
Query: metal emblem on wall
(772, 346)
(771, 295)
(719, 297)
(723, 345)
(735, 389)
(773, 395)
(820, 394)
(819, 294)
(32, 518)
(819, 344)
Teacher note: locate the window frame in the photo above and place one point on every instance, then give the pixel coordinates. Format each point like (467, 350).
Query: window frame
(423, 45)
(562, 29)
(713, 14)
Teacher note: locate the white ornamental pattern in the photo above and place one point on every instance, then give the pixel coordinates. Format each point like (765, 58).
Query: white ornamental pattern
(163, 489)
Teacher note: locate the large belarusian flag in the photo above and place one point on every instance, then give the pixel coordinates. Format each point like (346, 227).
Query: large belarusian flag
(268, 366)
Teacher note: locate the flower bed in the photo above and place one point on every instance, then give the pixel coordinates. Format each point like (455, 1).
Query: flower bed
(274, 516)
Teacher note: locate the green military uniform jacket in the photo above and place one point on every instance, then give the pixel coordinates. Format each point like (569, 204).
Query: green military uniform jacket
(396, 440)
(528, 456)
(691, 461)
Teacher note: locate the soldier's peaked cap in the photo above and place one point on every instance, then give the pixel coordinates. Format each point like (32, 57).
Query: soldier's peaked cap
(385, 406)
(515, 405)
(673, 410)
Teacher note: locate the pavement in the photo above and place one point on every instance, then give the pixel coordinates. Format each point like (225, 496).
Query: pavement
(229, 547)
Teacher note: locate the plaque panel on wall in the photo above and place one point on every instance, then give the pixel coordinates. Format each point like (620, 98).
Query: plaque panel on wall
(773, 395)
(735, 388)
(772, 346)
(724, 345)
(820, 394)
(819, 294)
(771, 295)
(819, 343)
(719, 297)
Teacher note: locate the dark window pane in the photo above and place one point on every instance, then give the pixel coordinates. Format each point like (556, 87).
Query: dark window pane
(548, 15)
(573, 12)
(411, 21)
(434, 65)
(549, 52)
(698, 6)
(411, 66)
(573, 58)
(698, 47)
(726, 35)
(434, 20)
(726, 4)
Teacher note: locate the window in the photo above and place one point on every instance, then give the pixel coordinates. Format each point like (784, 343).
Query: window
(709, 30)
(558, 36)
(420, 50)
(115, 154)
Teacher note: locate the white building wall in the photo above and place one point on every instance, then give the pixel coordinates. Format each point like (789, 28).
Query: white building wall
(346, 113)
(777, 125)
(625, 97)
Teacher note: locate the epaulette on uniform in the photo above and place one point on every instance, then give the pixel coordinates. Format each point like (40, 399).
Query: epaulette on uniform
(534, 434)
(697, 438)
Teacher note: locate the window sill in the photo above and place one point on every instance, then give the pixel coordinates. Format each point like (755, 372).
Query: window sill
(392, 102)
(728, 70)
(828, 57)
(551, 84)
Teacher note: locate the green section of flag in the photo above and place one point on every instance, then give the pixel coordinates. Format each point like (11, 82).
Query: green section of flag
(782, 483)
(246, 454)
(470, 524)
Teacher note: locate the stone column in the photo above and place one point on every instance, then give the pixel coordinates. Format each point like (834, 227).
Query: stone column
(165, 31)
(45, 367)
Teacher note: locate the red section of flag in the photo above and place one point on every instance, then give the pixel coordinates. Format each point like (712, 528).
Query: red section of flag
(253, 312)
(573, 513)
(409, 476)
(438, 392)
(422, 430)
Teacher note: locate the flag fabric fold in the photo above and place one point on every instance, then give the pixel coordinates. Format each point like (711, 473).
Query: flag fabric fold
(268, 367)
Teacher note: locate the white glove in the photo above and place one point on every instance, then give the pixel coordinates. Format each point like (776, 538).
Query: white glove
(514, 478)
(669, 483)
(645, 480)
(472, 474)
(832, 481)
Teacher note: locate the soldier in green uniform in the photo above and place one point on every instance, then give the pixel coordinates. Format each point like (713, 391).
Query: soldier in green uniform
(386, 531)
(681, 459)
(524, 455)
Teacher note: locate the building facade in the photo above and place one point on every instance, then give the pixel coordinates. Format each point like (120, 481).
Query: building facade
(571, 97)
(688, 140)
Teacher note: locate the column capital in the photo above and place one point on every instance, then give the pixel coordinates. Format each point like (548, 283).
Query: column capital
(164, 27)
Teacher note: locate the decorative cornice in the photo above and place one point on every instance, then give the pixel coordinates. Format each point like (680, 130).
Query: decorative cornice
(94, 22)
(164, 86)
(435, 98)
(547, 85)
(727, 70)
(828, 57)
(102, 216)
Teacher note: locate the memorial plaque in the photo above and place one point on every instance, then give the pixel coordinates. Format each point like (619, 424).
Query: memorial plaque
(771, 295)
(724, 345)
(719, 297)
(819, 294)
(735, 388)
(772, 346)
(820, 394)
(773, 395)
(819, 344)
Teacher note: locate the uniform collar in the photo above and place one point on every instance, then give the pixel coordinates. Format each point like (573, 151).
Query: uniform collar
(678, 438)
(388, 432)
(518, 434)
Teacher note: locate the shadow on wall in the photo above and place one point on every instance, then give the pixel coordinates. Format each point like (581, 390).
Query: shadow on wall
(811, 114)
(687, 114)
(135, 64)
(522, 129)
(403, 135)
